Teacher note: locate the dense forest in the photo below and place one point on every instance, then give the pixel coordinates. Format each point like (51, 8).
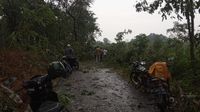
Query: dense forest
(41, 29)
(39, 25)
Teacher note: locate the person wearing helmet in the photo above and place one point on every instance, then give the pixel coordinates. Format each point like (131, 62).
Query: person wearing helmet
(69, 52)
(70, 57)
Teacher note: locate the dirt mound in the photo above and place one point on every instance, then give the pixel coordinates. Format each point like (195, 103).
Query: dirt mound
(21, 65)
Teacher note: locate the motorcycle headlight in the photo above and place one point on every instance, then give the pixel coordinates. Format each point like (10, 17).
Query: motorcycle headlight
(142, 62)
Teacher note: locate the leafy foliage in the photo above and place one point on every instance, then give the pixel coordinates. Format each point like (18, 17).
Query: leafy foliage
(120, 35)
(154, 47)
(39, 25)
(180, 8)
(168, 7)
(179, 30)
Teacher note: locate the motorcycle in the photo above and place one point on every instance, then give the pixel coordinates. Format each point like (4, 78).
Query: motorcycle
(138, 74)
(72, 61)
(157, 87)
(42, 96)
(66, 64)
(162, 95)
(38, 88)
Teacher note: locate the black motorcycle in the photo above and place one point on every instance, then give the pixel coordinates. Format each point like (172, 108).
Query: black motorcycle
(72, 61)
(138, 74)
(162, 95)
(155, 86)
(42, 96)
(66, 64)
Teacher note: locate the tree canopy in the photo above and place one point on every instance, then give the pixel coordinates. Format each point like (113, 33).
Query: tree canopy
(175, 9)
(41, 24)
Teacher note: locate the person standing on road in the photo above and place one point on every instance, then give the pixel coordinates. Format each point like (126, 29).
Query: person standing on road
(104, 53)
(98, 54)
(101, 54)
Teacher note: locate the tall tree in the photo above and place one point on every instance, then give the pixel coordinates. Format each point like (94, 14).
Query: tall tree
(106, 41)
(120, 35)
(179, 31)
(181, 8)
(76, 9)
(11, 12)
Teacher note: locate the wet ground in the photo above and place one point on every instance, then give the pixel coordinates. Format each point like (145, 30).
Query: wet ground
(97, 89)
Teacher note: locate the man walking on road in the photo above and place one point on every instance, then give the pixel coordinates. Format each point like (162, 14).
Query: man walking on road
(98, 53)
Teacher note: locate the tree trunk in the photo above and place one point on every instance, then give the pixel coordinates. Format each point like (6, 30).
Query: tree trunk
(190, 23)
(75, 32)
(192, 49)
(74, 25)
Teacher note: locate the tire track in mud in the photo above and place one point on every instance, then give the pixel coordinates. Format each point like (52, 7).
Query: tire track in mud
(102, 90)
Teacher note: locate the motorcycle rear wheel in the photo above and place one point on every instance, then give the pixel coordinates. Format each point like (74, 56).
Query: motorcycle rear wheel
(162, 103)
(76, 65)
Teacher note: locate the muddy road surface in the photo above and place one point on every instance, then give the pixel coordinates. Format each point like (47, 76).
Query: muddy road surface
(98, 89)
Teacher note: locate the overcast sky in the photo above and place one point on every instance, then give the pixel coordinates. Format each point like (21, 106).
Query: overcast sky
(116, 15)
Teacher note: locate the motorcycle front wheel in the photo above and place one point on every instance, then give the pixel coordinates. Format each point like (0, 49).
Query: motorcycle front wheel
(135, 80)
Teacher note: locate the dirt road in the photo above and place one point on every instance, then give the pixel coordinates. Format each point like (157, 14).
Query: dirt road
(96, 89)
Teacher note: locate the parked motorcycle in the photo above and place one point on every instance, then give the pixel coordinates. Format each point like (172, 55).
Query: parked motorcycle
(66, 64)
(72, 61)
(157, 87)
(138, 74)
(162, 95)
(40, 90)
(42, 96)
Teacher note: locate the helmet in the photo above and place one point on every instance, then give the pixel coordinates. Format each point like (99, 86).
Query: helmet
(68, 45)
(56, 69)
